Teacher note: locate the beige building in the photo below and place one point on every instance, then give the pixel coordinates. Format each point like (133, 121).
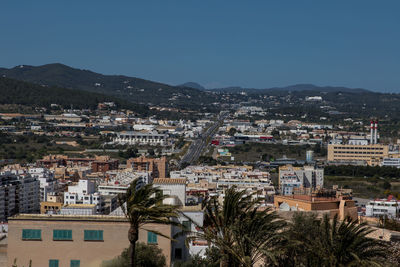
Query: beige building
(78, 241)
(371, 154)
(342, 206)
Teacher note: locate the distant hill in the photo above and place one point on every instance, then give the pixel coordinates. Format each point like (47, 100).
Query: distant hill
(129, 88)
(192, 85)
(292, 88)
(29, 94)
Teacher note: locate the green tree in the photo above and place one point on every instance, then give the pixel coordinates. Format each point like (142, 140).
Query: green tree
(386, 185)
(314, 242)
(146, 256)
(143, 204)
(241, 233)
(232, 131)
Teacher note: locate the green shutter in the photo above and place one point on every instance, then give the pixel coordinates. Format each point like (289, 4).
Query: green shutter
(75, 263)
(62, 234)
(53, 263)
(151, 238)
(31, 234)
(93, 235)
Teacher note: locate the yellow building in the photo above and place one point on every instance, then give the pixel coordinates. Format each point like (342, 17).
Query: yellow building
(79, 241)
(371, 154)
(48, 207)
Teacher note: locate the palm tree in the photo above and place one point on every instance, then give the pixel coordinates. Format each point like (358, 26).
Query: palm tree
(314, 242)
(242, 234)
(346, 243)
(143, 204)
(257, 236)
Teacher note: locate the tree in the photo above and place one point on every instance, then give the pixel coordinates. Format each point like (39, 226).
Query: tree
(386, 185)
(143, 204)
(146, 256)
(242, 234)
(232, 131)
(314, 242)
(257, 236)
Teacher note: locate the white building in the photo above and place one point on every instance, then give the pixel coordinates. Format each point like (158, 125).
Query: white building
(181, 250)
(84, 193)
(79, 209)
(48, 184)
(120, 181)
(141, 138)
(146, 127)
(391, 162)
(295, 177)
(172, 187)
(383, 207)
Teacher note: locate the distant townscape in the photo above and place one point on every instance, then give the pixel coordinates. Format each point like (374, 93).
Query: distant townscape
(101, 170)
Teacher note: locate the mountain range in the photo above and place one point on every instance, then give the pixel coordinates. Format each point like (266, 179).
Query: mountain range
(137, 89)
(132, 89)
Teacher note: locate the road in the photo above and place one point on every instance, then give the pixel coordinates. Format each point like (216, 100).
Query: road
(198, 145)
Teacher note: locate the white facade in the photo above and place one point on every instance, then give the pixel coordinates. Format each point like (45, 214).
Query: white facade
(48, 184)
(383, 207)
(180, 251)
(120, 181)
(139, 138)
(84, 193)
(306, 177)
(141, 127)
(391, 162)
(172, 189)
(78, 210)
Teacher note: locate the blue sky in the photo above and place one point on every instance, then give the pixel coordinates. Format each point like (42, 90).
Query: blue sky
(256, 44)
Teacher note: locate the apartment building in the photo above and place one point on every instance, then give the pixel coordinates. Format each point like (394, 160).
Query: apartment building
(299, 177)
(48, 184)
(391, 162)
(78, 241)
(383, 207)
(141, 138)
(84, 193)
(372, 154)
(158, 167)
(19, 193)
(104, 164)
(52, 205)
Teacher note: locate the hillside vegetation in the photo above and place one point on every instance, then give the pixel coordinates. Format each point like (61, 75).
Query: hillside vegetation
(130, 88)
(29, 94)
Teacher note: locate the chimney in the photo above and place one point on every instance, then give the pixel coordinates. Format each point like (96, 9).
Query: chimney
(376, 133)
(371, 139)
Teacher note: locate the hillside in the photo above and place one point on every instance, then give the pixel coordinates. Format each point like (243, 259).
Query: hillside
(291, 88)
(192, 85)
(129, 88)
(29, 94)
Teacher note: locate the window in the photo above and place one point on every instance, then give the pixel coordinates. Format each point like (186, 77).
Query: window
(178, 253)
(31, 234)
(53, 263)
(75, 263)
(62, 235)
(93, 235)
(151, 238)
(187, 225)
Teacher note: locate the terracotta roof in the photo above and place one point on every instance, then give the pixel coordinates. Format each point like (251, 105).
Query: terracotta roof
(169, 181)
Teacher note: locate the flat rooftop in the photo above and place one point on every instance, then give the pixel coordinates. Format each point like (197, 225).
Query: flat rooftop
(57, 217)
(308, 198)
